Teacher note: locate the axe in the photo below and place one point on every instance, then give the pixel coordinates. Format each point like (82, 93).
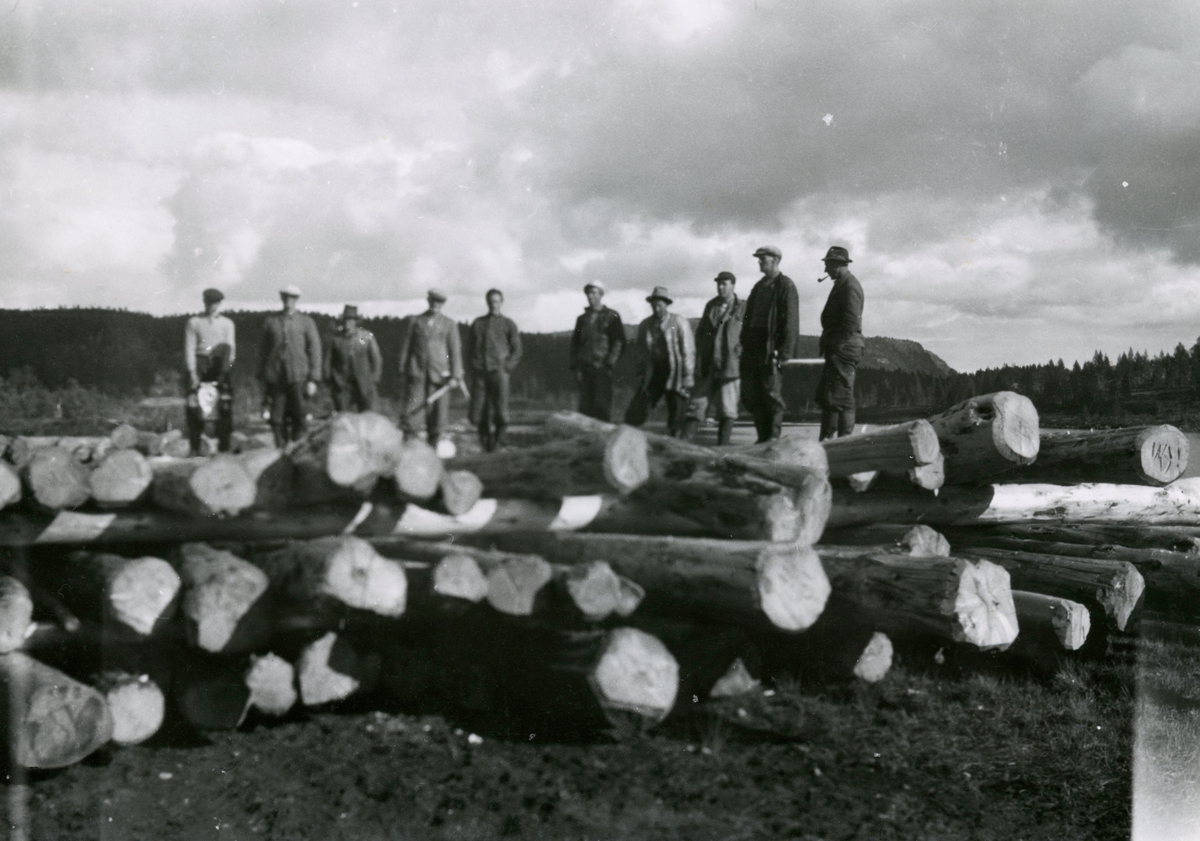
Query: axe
(438, 393)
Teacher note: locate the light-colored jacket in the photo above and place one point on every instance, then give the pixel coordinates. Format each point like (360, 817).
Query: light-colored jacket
(681, 351)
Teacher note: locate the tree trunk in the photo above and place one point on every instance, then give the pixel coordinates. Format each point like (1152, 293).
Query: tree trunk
(987, 435)
(896, 448)
(122, 479)
(273, 475)
(56, 480)
(345, 569)
(919, 540)
(1144, 455)
(458, 491)
(53, 720)
(952, 598)
(329, 670)
(136, 703)
(141, 594)
(16, 612)
(204, 488)
(755, 585)
(1112, 589)
(1049, 622)
(353, 449)
(224, 600)
(610, 462)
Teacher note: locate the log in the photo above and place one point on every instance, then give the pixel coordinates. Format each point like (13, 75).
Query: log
(121, 479)
(1176, 504)
(985, 436)
(418, 472)
(1146, 455)
(124, 437)
(329, 670)
(273, 475)
(172, 444)
(610, 462)
(204, 488)
(458, 491)
(876, 659)
(210, 691)
(16, 612)
(931, 477)
(896, 448)
(224, 600)
(919, 540)
(1049, 622)
(1111, 589)
(1184, 539)
(10, 486)
(56, 480)
(354, 450)
(457, 575)
(736, 681)
(136, 704)
(751, 584)
(346, 570)
(952, 598)
(53, 720)
(271, 681)
(141, 594)
(792, 450)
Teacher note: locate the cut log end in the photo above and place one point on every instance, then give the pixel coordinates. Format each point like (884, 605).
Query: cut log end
(362, 447)
(983, 606)
(514, 584)
(459, 491)
(736, 681)
(626, 461)
(925, 445)
(121, 479)
(16, 612)
(459, 577)
(330, 670)
(929, 476)
(137, 706)
(59, 721)
(1070, 621)
(1015, 427)
(925, 542)
(142, 593)
(418, 471)
(56, 479)
(594, 589)
(636, 673)
(360, 577)
(1163, 454)
(1125, 596)
(221, 591)
(792, 586)
(876, 659)
(271, 681)
(10, 486)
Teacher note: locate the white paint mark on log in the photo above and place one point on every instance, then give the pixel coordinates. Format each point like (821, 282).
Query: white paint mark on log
(364, 511)
(70, 526)
(577, 512)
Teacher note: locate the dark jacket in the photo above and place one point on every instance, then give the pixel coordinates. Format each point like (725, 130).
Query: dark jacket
(353, 357)
(290, 351)
(783, 321)
(841, 320)
(598, 340)
(719, 345)
(493, 344)
(430, 349)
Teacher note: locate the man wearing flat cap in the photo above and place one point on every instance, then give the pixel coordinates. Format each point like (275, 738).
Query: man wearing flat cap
(353, 365)
(770, 329)
(596, 345)
(718, 361)
(289, 365)
(841, 345)
(208, 352)
(430, 357)
(493, 351)
(666, 364)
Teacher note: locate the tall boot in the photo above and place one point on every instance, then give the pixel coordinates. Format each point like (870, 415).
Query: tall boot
(845, 422)
(690, 425)
(498, 438)
(280, 438)
(724, 431)
(485, 440)
(829, 423)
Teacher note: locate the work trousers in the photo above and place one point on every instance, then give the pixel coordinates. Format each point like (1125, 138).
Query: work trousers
(762, 393)
(211, 370)
(416, 415)
(353, 396)
(596, 392)
(288, 412)
(835, 390)
(489, 407)
(647, 397)
(722, 395)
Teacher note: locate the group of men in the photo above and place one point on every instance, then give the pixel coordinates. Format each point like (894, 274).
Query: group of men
(736, 355)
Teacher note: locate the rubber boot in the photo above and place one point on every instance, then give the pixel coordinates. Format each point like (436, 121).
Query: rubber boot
(690, 425)
(486, 441)
(829, 423)
(498, 438)
(724, 431)
(845, 422)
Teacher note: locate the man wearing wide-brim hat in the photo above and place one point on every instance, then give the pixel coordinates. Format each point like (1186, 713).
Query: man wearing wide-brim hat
(666, 364)
(289, 366)
(430, 357)
(841, 345)
(770, 330)
(596, 347)
(353, 365)
(209, 348)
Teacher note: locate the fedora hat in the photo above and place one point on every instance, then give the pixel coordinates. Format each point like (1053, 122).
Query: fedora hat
(660, 292)
(837, 254)
(351, 311)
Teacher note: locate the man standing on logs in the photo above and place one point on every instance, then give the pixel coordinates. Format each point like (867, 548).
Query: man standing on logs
(353, 365)
(667, 366)
(430, 358)
(289, 365)
(596, 345)
(770, 329)
(841, 345)
(208, 352)
(493, 351)
(718, 358)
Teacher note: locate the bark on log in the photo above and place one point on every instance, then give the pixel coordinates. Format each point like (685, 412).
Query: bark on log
(224, 600)
(56, 480)
(209, 488)
(984, 436)
(52, 720)
(272, 684)
(1183, 539)
(918, 540)
(329, 670)
(10, 486)
(345, 569)
(458, 491)
(16, 612)
(141, 594)
(354, 450)
(1051, 622)
(1112, 589)
(896, 448)
(751, 584)
(122, 479)
(273, 475)
(954, 598)
(792, 450)
(136, 704)
(931, 477)
(610, 462)
(1144, 455)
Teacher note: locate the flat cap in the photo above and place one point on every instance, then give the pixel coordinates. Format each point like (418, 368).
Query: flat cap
(660, 293)
(594, 284)
(769, 249)
(838, 254)
(351, 311)
(291, 290)
(436, 295)
(211, 296)
(725, 276)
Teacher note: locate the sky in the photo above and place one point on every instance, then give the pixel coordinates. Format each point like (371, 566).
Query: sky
(1015, 181)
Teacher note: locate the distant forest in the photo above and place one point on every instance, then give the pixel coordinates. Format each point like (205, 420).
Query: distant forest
(127, 354)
